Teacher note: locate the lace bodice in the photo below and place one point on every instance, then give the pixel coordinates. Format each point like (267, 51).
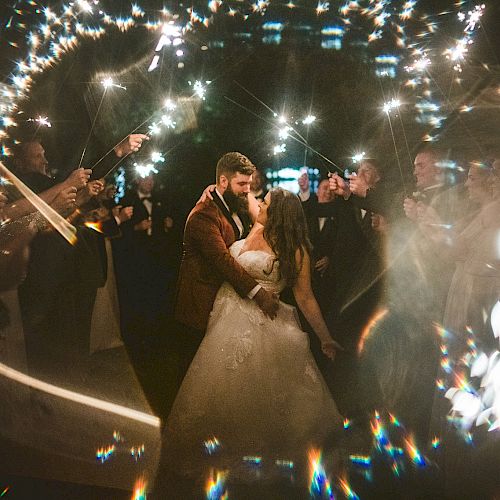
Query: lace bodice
(261, 265)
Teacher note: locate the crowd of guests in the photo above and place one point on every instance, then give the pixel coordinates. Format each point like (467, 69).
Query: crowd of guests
(114, 283)
(388, 265)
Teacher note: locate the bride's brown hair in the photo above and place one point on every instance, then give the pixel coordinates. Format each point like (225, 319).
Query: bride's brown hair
(286, 232)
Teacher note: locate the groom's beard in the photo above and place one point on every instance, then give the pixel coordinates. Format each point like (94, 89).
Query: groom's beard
(236, 203)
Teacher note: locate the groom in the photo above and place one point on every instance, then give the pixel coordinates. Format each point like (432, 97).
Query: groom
(211, 228)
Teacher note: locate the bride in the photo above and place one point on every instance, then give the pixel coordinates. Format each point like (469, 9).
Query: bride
(253, 395)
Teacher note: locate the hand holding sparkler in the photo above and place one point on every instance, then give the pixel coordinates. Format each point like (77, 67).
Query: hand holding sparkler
(123, 213)
(64, 202)
(338, 185)
(410, 208)
(379, 223)
(78, 178)
(131, 144)
(144, 225)
(95, 187)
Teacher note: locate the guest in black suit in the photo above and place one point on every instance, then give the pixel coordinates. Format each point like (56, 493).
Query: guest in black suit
(145, 262)
(352, 288)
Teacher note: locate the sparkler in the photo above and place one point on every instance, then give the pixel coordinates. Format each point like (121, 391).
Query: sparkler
(108, 83)
(59, 223)
(42, 121)
(358, 157)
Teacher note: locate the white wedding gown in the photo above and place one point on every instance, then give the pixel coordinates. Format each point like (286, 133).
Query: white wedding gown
(253, 385)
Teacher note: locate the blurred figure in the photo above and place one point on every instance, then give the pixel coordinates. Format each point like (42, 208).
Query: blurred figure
(146, 258)
(475, 289)
(258, 185)
(106, 218)
(322, 233)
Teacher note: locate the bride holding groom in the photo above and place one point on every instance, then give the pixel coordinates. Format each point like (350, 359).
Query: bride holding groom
(252, 386)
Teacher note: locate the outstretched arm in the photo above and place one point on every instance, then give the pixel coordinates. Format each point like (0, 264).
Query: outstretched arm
(307, 304)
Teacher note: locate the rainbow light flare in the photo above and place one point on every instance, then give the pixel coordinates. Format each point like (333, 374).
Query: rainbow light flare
(96, 226)
(104, 454)
(414, 453)
(436, 442)
(215, 488)
(348, 491)
(140, 492)
(319, 485)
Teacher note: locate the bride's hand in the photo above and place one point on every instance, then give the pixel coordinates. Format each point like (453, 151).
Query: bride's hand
(207, 193)
(330, 348)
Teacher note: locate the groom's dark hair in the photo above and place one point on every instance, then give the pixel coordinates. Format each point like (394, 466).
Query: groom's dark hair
(233, 163)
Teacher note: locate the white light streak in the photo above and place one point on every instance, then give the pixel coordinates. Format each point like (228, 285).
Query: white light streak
(76, 397)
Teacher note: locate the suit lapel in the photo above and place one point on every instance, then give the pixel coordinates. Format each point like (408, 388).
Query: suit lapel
(227, 215)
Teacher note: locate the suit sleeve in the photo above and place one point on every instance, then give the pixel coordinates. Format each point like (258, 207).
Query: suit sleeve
(205, 235)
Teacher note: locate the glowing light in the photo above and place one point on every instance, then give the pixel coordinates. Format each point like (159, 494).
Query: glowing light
(279, 148)
(286, 464)
(309, 119)
(145, 170)
(96, 226)
(212, 445)
(283, 133)
(457, 53)
(199, 89)
(154, 129)
(372, 323)
(322, 7)
(43, 121)
(361, 460)
(436, 443)
(391, 105)
(157, 157)
(252, 460)
(108, 83)
(414, 453)
(358, 157)
(5, 491)
(139, 492)
(215, 488)
(319, 484)
(348, 491)
(168, 121)
(104, 454)
(495, 319)
(137, 452)
(347, 423)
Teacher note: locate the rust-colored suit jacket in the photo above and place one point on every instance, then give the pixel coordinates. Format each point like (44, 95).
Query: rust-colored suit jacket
(206, 264)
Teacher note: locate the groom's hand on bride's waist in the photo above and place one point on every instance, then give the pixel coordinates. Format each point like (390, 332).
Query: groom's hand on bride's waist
(268, 302)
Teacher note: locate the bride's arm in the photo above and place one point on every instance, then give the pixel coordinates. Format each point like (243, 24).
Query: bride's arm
(307, 304)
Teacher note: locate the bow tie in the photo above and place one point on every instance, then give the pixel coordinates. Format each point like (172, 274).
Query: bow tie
(146, 198)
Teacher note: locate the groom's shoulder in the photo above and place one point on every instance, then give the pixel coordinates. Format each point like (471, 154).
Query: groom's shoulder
(205, 209)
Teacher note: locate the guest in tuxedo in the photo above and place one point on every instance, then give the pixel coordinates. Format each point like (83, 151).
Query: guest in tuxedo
(144, 262)
(322, 234)
(352, 285)
(211, 228)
